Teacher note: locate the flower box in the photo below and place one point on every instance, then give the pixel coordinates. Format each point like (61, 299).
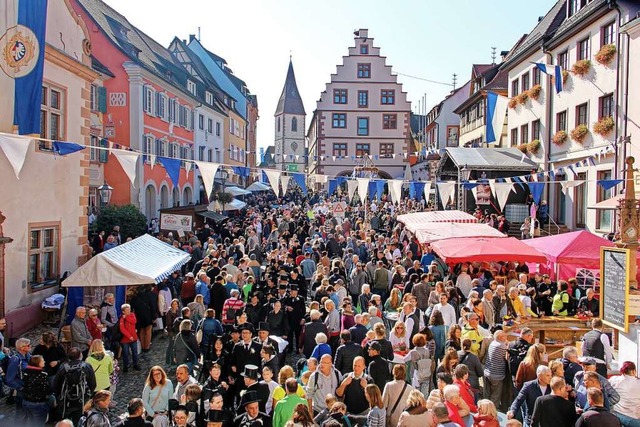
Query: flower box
(565, 76)
(534, 146)
(522, 98)
(603, 126)
(523, 147)
(534, 92)
(606, 54)
(579, 133)
(559, 137)
(582, 67)
(512, 103)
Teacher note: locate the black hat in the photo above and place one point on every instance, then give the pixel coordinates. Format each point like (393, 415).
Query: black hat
(233, 329)
(246, 327)
(250, 371)
(282, 286)
(294, 287)
(284, 278)
(375, 345)
(264, 326)
(215, 416)
(249, 396)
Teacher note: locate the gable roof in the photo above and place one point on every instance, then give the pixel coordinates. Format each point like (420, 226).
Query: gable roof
(290, 101)
(489, 158)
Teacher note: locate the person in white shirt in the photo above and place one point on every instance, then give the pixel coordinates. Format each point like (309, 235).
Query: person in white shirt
(464, 281)
(447, 310)
(628, 387)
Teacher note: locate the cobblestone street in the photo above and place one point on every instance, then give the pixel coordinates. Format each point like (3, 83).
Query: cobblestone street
(130, 384)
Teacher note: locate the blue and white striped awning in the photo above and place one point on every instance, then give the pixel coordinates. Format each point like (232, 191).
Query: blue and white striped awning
(141, 261)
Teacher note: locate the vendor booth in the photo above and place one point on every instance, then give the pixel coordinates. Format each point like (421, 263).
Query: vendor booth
(144, 260)
(433, 232)
(415, 221)
(484, 249)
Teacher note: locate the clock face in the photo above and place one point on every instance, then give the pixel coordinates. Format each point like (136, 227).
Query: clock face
(631, 232)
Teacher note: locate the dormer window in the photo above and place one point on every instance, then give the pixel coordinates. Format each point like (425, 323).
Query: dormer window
(209, 98)
(364, 49)
(191, 87)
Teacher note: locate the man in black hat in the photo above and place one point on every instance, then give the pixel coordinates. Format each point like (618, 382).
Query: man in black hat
(295, 278)
(218, 415)
(283, 284)
(251, 416)
(246, 352)
(261, 390)
(254, 309)
(295, 309)
(263, 337)
(217, 295)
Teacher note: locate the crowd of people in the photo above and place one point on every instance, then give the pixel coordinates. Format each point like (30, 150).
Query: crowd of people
(291, 316)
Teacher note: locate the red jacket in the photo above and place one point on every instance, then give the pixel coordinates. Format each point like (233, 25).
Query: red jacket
(95, 332)
(467, 394)
(454, 415)
(485, 421)
(128, 328)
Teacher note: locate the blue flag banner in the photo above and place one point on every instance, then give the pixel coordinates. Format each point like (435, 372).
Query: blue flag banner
(380, 188)
(341, 180)
(372, 189)
(261, 154)
(64, 148)
(22, 44)
(300, 179)
(263, 177)
(419, 187)
(518, 181)
(173, 168)
(470, 185)
(333, 186)
(608, 184)
(554, 71)
(536, 189)
(496, 111)
(241, 171)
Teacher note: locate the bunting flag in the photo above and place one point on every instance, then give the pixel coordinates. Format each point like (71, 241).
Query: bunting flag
(492, 186)
(241, 171)
(501, 193)
(152, 160)
(352, 186)
(554, 71)
(187, 168)
(300, 179)
(321, 179)
(261, 154)
(208, 172)
(570, 184)
(363, 186)
(408, 176)
(172, 166)
(395, 190)
(129, 162)
(446, 191)
(608, 184)
(22, 43)
(62, 148)
(274, 179)
(427, 190)
(536, 189)
(284, 181)
(496, 111)
(15, 148)
(380, 187)
(333, 186)
(372, 189)
(474, 191)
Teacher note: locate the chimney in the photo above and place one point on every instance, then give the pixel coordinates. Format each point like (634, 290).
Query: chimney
(540, 18)
(362, 33)
(191, 37)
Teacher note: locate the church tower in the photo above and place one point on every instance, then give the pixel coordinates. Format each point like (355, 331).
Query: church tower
(290, 127)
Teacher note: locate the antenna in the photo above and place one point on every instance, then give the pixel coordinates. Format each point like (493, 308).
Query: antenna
(493, 54)
(455, 79)
(198, 33)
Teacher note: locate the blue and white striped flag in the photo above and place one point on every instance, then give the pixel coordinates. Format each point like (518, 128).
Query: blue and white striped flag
(496, 111)
(552, 70)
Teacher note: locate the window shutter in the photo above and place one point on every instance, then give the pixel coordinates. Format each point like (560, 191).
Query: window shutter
(158, 101)
(145, 101)
(191, 121)
(102, 99)
(158, 147)
(104, 154)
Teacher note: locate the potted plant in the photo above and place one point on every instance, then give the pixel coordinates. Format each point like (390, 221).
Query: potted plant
(606, 54)
(581, 67)
(579, 133)
(523, 147)
(522, 98)
(603, 126)
(534, 92)
(512, 103)
(565, 76)
(534, 146)
(559, 137)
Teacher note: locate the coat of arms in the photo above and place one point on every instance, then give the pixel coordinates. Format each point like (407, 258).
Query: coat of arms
(19, 50)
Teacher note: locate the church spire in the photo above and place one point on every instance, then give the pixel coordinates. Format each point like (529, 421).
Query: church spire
(290, 101)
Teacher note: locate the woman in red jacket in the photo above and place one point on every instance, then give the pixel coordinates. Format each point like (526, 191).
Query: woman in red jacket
(129, 341)
(461, 376)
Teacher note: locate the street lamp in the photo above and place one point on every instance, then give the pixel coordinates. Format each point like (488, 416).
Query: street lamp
(223, 177)
(105, 191)
(465, 174)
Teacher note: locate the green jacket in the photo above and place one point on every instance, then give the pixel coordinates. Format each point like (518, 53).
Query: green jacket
(284, 409)
(102, 365)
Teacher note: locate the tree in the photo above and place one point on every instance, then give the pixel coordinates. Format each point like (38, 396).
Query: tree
(224, 198)
(132, 223)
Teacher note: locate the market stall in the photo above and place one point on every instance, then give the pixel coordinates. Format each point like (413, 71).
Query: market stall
(486, 249)
(414, 221)
(432, 232)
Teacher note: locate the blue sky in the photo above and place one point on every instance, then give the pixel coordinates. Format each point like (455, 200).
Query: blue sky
(423, 38)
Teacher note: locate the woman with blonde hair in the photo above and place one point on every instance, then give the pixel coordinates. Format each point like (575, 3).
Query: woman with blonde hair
(97, 410)
(416, 413)
(487, 415)
(395, 393)
(536, 356)
(394, 301)
(197, 309)
(101, 363)
(279, 393)
(377, 416)
(157, 391)
(399, 337)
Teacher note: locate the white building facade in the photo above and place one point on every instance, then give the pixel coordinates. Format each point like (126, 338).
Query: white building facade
(362, 113)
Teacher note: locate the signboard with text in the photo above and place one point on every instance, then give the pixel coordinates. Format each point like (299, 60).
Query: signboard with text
(175, 222)
(614, 287)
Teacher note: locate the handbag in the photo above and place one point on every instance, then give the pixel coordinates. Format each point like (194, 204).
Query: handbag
(395, 406)
(199, 336)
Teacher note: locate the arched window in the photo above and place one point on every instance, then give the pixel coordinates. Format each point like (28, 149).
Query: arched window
(294, 124)
(164, 197)
(150, 201)
(278, 124)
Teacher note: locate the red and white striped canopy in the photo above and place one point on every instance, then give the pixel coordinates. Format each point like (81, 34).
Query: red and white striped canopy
(414, 221)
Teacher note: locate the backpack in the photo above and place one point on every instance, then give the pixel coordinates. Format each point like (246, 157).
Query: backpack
(84, 420)
(423, 367)
(74, 389)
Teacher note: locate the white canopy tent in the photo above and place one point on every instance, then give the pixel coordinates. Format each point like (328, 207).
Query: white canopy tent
(414, 221)
(435, 231)
(258, 186)
(234, 205)
(141, 261)
(236, 191)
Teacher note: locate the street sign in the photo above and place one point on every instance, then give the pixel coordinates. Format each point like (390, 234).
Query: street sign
(339, 208)
(292, 167)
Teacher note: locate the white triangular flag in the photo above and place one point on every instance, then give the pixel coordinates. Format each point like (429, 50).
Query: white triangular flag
(363, 187)
(502, 193)
(111, 147)
(129, 162)
(15, 149)
(492, 186)
(187, 168)
(446, 192)
(408, 176)
(570, 184)
(208, 172)
(427, 190)
(321, 179)
(274, 179)
(395, 189)
(152, 160)
(284, 181)
(352, 186)
(474, 191)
